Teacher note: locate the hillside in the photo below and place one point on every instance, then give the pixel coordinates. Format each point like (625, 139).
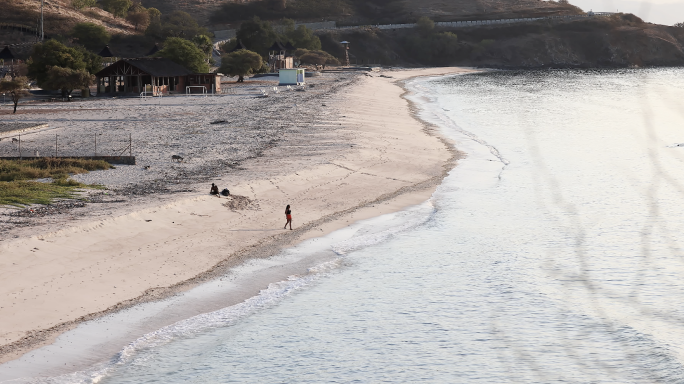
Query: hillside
(59, 16)
(618, 41)
(359, 11)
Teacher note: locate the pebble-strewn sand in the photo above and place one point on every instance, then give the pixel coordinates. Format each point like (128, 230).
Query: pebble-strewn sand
(350, 149)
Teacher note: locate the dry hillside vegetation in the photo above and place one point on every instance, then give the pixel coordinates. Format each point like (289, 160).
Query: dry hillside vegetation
(373, 10)
(199, 9)
(59, 15)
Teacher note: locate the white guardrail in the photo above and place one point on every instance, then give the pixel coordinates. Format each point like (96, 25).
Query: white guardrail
(473, 23)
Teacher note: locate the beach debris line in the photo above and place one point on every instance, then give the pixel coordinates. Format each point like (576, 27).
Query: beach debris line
(240, 203)
(58, 208)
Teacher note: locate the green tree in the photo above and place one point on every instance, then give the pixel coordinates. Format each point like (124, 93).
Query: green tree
(91, 36)
(301, 37)
(116, 7)
(204, 43)
(240, 63)
(155, 14)
(257, 35)
(319, 58)
(80, 4)
(17, 88)
(185, 53)
(154, 29)
(67, 79)
(53, 53)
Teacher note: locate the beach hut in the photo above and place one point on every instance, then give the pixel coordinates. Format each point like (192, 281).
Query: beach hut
(238, 46)
(107, 55)
(106, 52)
(278, 59)
(151, 75)
(152, 51)
(291, 76)
(6, 55)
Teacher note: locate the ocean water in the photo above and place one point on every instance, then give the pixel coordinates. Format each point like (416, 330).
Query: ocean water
(551, 254)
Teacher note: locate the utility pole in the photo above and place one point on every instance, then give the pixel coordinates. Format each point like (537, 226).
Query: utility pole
(42, 32)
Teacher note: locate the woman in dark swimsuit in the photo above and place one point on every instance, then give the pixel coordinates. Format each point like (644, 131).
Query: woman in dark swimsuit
(288, 216)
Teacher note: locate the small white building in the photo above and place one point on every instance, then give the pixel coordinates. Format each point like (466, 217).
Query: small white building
(293, 76)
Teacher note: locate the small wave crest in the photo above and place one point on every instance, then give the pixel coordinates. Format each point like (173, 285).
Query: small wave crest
(403, 221)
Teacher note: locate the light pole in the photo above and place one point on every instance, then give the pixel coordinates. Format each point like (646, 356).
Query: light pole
(345, 44)
(42, 34)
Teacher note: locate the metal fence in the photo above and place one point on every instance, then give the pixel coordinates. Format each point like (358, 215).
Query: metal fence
(31, 145)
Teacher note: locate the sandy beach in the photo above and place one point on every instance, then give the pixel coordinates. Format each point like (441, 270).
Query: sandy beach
(348, 148)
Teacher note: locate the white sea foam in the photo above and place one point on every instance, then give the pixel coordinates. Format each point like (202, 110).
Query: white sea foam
(402, 221)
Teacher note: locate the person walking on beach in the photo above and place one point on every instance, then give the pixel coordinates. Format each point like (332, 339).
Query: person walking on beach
(288, 216)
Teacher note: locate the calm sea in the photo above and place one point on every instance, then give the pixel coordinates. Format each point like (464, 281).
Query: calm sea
(551, 254)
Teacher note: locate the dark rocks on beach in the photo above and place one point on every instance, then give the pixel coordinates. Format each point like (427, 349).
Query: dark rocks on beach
(57, 208)
(146, 188)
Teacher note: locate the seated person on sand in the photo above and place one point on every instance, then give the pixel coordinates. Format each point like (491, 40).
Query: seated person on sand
(214, 190)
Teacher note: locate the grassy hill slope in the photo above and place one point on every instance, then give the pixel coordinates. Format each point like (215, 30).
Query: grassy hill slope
(59, 16)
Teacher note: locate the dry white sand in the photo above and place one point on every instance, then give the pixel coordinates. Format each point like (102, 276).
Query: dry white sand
(380, 159)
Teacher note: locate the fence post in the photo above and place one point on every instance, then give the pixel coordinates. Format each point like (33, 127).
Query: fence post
(130, 144)
(55, 145)
(95, 143)
(19, 147)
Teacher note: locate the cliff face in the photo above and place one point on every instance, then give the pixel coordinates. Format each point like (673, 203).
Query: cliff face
(587, 44)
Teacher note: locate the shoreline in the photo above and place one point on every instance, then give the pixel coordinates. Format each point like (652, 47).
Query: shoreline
(401, 194)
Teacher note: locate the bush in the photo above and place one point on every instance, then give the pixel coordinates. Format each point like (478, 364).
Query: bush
(319, 58)
(18, 170)
(80, 4)
(425, 25)
(91, 36)
(116, 7)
